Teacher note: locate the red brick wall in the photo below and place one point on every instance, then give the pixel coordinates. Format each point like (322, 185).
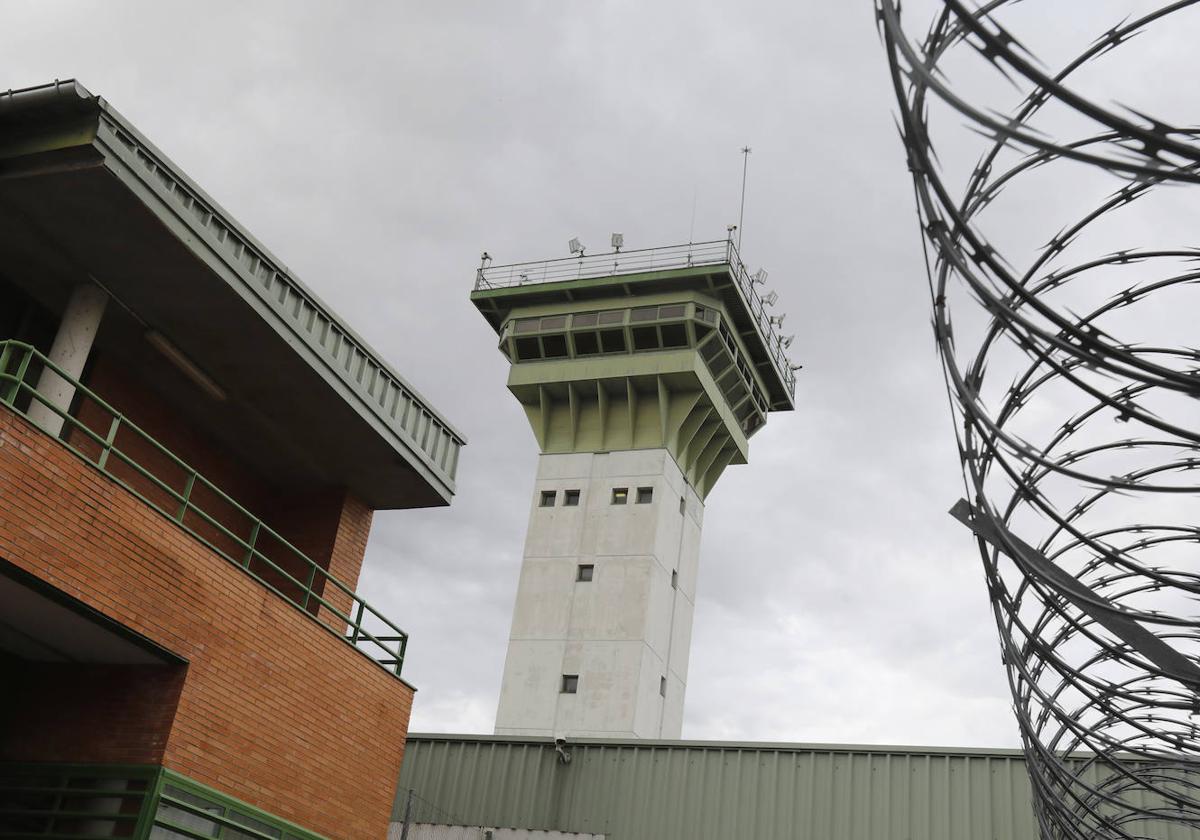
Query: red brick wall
(274, 709)
(308, 518)
(129, 710)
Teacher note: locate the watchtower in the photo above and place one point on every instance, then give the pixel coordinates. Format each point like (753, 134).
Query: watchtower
(643, 374)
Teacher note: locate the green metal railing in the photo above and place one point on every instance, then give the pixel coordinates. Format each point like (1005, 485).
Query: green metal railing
(140, 802)
(140, 464)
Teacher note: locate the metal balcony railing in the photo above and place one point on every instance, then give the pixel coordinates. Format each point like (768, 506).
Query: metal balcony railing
(717, 252)
(136, 461)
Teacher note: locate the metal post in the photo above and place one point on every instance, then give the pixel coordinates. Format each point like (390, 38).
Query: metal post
(742, 212)
(407, 815)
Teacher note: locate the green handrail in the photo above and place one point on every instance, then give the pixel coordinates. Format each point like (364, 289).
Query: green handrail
(21, 362)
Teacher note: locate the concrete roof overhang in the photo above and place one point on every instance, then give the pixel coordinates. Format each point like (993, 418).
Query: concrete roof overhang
(85, 198)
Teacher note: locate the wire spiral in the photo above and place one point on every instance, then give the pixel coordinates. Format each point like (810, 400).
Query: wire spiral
(1074, 392)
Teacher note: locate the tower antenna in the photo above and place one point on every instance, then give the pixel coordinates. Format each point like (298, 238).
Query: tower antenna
(742, 211)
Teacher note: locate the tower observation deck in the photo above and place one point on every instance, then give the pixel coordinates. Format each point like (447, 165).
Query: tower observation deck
(643, 374)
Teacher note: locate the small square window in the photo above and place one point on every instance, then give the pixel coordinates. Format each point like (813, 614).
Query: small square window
(570, 684)
(570, 498)
(620, 495)
(645, 495)
(662, 686)
(548, 497)
(674, 578)
(586, 570)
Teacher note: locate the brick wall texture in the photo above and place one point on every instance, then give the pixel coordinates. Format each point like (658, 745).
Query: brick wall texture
(272, 708)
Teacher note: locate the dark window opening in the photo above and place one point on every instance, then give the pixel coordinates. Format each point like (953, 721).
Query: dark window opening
(570, 684)
(555, 346)
(586, 343)
(674, 579)
(662, 686)
(527, 348)
(612, 341)
(645, 495)
(620, 495)
(645, 338)
(585, 572)
(683, 504)
(674, 335)
(548, 497)
(570, 498)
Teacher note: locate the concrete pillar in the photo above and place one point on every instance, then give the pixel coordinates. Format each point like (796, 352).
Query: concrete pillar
(70, 352)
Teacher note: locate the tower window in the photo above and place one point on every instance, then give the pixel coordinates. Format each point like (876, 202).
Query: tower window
(570, 498)
(620, 495)
(645, 495)
(570, 684)
(662, 686)
(683, 504)
(554, 346)
(586, 570)
(674, 578)
(611, 341)
(673, 335)
(586, 343)
(548, 497)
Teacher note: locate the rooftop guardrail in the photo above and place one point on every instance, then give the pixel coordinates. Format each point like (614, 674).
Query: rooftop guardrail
(169, 485)
(617, 263)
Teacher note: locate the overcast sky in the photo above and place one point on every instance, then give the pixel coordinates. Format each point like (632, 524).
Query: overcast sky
(377, 148)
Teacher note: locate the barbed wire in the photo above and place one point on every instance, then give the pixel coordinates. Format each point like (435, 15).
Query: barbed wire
(1081, 471)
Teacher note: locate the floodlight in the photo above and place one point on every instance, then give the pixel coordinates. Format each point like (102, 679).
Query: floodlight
(760, 276)
(777, 320)
(730, 229)
(484, 259)
(770, 299)
(787, 342)
(576, 246)
(618, 241)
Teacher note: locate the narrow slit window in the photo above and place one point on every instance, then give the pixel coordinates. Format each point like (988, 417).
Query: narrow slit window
(548, 497)
(570, 684)
(645, 495)
(585, 572)
(674, 578)
(662, 686)
(570, 498)
(620, 495)
(682, 504)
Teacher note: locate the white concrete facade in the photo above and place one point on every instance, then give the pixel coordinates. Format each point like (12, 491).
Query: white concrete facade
(626, 632)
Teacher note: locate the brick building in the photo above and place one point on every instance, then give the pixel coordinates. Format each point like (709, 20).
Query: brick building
(191, 449)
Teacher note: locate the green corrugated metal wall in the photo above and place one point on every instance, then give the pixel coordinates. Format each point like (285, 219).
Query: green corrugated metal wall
(687, 790)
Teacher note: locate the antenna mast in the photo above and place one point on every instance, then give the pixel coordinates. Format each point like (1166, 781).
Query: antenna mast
(742, 211)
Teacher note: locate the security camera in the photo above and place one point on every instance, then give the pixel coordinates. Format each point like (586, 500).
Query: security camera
(560, 747)
(560, 741)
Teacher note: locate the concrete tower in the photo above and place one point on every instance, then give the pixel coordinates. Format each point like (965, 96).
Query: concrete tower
(643, 374)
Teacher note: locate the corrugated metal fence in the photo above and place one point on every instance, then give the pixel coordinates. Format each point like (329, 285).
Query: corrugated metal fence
(663, 790)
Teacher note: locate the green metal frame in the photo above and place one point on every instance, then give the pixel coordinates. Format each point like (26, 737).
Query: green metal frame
(165, 799)
(21, 362)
